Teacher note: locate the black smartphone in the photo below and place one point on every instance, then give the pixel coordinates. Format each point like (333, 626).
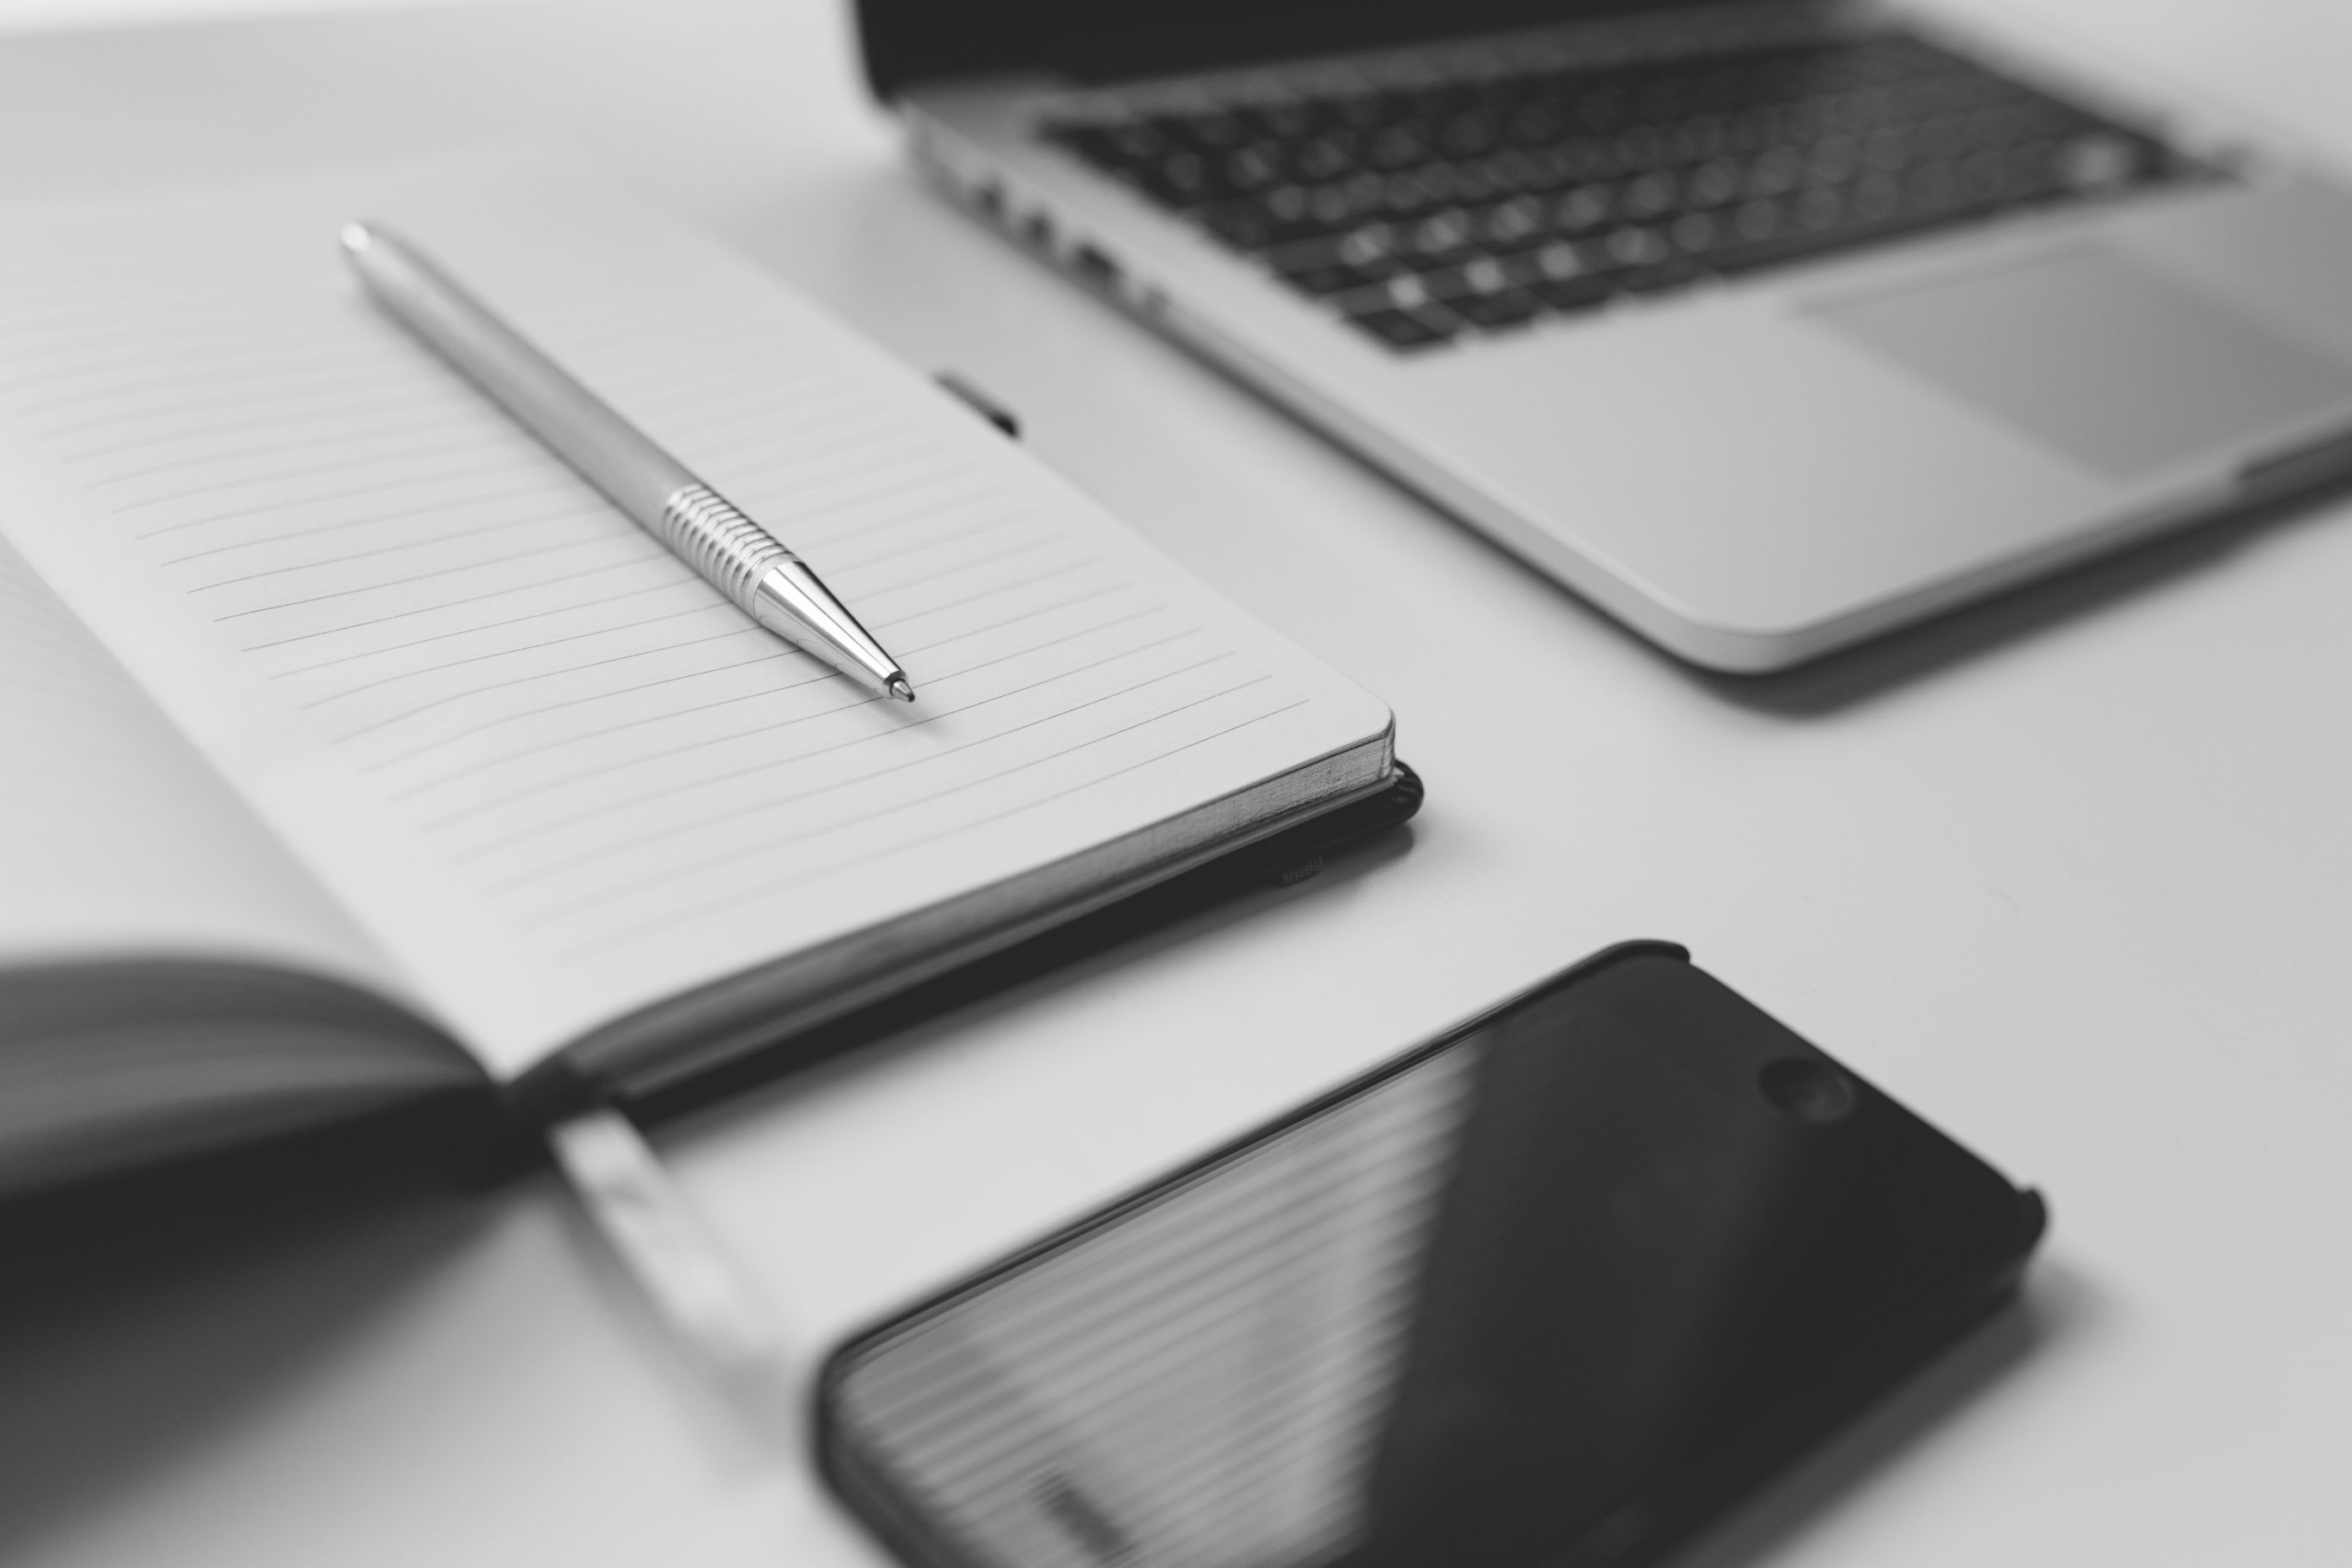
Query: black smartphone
(1554, 1289)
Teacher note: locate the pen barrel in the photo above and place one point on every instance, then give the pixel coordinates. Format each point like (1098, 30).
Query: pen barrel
(542, 397)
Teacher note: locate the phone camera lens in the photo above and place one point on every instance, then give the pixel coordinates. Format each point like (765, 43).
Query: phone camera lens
(1808, 1090)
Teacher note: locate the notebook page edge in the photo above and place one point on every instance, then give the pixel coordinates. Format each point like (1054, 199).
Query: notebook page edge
(684, 1036)
(172, 978)
(121, 840)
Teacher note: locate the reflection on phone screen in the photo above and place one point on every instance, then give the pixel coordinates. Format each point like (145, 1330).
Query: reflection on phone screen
(1527, 1300)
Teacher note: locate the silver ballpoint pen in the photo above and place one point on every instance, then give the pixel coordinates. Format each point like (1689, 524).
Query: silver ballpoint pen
(661, 495)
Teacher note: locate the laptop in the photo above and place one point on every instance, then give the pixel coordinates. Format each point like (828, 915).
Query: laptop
(1767, 327)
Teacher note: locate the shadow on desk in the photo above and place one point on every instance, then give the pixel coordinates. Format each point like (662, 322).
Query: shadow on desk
(1182, 909)
(143, 1316)
(1857, 674)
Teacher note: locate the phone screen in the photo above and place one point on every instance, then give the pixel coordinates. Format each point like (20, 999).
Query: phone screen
(1543, 1292)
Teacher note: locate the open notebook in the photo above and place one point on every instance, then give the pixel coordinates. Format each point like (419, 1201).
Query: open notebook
(356, 748)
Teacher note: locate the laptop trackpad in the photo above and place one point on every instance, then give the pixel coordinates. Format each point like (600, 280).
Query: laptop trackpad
(2119, 368)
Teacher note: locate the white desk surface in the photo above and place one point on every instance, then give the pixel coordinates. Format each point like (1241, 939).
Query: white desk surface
(2071, 876)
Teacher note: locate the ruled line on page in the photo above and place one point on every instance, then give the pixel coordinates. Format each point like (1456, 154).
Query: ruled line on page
(765, 730)
(798, 757)
(841, 564)
(722, 412)
(581, 736)
(403, 516)
(948, 605)
(734, 629)
(412, 671)
(419, 671)
(875, 592)
(536, 584)
(836, 702)
(869, 524)
(434, 431)
(738, 853)
(703, 822)
(546, 553)
(294, 672)
(308, 413)
(142, 401)
(126, 328)
(713, 605)
(426, 541)
(370, 419)
(779, 477)
(579, 775)
(261, 384)
(124, 292)
(710, 908)
(541, 479)
(776, 653)
(1033, 613)
(404, 450)
(188, 343)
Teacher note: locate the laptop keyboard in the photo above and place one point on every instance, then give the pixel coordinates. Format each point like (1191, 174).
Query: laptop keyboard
(1429, 214)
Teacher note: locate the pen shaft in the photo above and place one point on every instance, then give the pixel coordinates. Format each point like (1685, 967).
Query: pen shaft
(609, 452)
(661, 495)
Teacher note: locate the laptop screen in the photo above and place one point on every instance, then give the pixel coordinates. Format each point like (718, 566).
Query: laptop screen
(908, 41)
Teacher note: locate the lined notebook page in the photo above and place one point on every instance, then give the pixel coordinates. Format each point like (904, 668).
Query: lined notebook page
(555, 773)
(117, 840)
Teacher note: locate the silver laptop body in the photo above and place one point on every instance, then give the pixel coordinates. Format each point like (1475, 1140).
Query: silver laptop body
(1756, 468)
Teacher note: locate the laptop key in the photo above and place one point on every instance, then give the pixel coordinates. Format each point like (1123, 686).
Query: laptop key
(1671, 273)
(1574, 294)
(1401, 329)
(1558, 190)
(1493, 312)
(1336, 278)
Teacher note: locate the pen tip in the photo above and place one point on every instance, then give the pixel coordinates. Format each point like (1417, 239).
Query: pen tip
(899, 689)
(355, 237)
